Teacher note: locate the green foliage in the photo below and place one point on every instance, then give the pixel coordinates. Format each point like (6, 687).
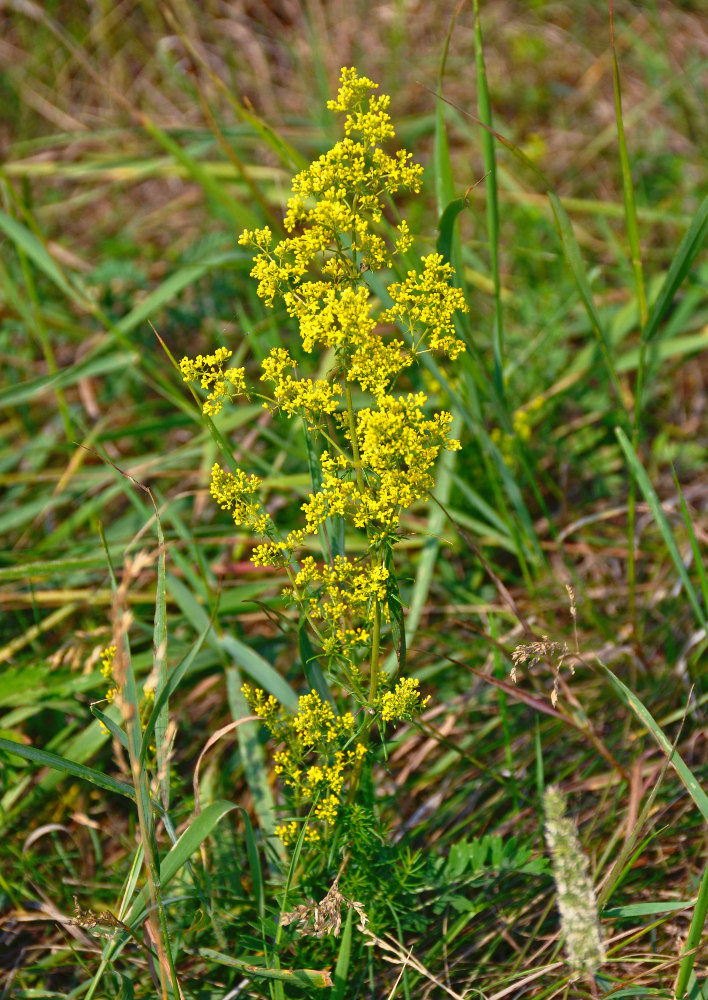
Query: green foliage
(135, 148)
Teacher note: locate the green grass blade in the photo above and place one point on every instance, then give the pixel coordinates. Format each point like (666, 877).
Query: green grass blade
(173, 285)
(159, 647)
(260, 671)
(27, 242)
(630, 207)
(695, 548)
(681, 264)
(46, 759)
(341, 969)
(571, 252)
(661, 521)
(298, 977)
(693, 938)
(484, 109)
(180, 853)
(630, 699)
(113, 728)
(239, 214)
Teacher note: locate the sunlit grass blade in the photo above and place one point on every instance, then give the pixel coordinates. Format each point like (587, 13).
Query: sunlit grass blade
(240, 214)
(681, 264)
(572, 254)
(484, 108)
(661, 521)
(175, 283)
(46, 759)
(341, 969)
(693, 786)
(319, 979)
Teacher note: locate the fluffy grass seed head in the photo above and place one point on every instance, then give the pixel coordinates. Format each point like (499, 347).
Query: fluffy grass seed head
(576, 897)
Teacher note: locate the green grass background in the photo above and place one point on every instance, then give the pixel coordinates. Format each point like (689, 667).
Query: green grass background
(138, 140)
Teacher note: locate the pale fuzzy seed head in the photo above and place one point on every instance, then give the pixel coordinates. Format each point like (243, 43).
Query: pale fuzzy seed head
(576, 896)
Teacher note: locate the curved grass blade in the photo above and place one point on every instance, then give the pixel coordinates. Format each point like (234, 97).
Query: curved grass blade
(484, 109)
(260, 671)
(572, 254)
(661, 521)
(630, 699)
(180, 853)
(47, 759)
(687, 252)
(319, 978)
(341, 969)
(112, 727)
(34, 249)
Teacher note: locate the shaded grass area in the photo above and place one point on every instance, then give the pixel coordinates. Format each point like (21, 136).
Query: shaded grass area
(139, 141)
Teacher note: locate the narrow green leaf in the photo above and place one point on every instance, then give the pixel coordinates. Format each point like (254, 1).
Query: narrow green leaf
(180, 853)
(172, 286)
(646, 909)
(661, 521)
(313, 672)
(46, 759)
(298, 977)
(341, 970)
(112, 727)
(239, 213)
(695, 548)
(32, 246)
(687, 252)
(159, 648)
(693, 938)
(630, 699)
(395, 609)
(260, 671)
(571, 252)
(446, 227)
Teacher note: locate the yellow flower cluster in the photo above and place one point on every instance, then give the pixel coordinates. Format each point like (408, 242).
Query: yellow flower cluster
(209, 372)
(380, 455)
(426, 304)
(107, 657)
(320, 753)
(293, 396)
(238, 493)
(335, 594)
(404, 702)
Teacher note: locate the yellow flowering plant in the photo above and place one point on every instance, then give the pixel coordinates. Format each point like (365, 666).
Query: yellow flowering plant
(378, 441)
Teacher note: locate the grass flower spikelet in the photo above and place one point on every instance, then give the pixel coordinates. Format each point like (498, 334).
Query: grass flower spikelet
(576, 897)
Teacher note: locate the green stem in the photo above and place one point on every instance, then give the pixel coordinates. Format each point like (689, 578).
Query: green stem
(355, 440)
(375, 643)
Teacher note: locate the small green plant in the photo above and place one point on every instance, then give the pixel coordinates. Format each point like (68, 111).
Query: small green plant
(374, 445)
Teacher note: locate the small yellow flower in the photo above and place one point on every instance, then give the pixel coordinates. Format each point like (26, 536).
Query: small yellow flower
(209, 372)
(404, 702)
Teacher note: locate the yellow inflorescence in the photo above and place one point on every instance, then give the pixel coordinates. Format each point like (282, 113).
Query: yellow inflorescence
(320, 754)
(209, 372)
(380, 445)
(404, 702)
